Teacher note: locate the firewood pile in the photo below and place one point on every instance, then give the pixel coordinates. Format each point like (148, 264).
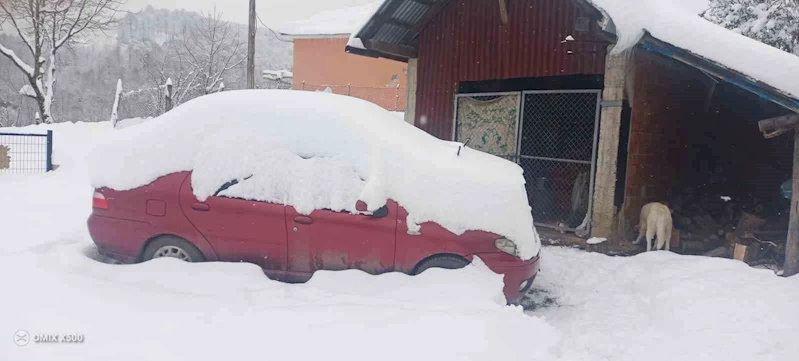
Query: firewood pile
(713, 224)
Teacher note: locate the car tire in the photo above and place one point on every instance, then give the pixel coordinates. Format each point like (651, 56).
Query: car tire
(443, 261)
(174, 247)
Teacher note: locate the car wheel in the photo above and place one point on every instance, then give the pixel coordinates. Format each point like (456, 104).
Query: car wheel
(443, 261)
(172, 247)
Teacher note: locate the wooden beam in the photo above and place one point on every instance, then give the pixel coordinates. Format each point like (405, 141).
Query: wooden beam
(399, 50)
(792, 246)
(503, 11)
(774, 127)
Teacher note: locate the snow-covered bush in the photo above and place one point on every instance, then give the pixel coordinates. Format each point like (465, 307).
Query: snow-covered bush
(774, 22)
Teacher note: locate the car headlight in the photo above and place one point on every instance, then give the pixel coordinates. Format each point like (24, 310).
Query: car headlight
(507, 246)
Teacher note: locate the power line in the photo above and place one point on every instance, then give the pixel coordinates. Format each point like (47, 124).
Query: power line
(270, 30)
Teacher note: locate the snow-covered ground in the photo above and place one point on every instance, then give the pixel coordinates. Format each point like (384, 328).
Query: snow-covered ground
(656, 306)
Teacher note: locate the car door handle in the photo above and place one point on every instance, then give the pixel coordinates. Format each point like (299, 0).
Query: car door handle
(303, 220)
(202, 207)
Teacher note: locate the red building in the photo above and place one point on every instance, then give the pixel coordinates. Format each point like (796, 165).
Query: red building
(598, 133)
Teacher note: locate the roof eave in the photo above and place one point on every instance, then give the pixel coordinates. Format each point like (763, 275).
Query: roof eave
(374, 54)
(763, 90)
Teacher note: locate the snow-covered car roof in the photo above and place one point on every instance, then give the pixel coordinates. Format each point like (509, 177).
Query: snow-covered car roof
(338, 22)
(320, 151)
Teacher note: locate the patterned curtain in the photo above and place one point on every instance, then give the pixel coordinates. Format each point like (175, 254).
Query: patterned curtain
(489, 125)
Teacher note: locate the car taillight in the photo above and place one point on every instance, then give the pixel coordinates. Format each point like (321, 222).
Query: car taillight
(99, 201)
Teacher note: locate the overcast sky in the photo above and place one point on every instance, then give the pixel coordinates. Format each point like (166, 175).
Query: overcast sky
(272, 12)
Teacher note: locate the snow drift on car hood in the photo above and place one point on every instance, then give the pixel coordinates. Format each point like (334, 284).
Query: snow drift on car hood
(320, 151)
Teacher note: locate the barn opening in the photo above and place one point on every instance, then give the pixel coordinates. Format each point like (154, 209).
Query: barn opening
(694, 144)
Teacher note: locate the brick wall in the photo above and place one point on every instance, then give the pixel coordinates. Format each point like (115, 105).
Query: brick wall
(667, 98)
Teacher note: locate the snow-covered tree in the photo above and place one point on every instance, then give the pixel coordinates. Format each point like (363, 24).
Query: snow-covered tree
(774, 22)
(45, 27)
(167, 64)
(213, 47)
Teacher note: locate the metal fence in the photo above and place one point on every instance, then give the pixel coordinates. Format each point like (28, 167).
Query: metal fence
(26, 153)
(390, 98)
(552, 135)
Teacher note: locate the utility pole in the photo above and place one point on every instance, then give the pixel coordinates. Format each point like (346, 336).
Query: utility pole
(251, 49)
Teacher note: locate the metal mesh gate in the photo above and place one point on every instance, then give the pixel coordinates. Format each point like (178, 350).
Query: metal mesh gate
(558, 153)
(556, 135)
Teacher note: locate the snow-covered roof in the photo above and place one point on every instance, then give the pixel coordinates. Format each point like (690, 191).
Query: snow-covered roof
(339, 22)
(321, 151)
(680, 26)
(674, 22)
(277, 74)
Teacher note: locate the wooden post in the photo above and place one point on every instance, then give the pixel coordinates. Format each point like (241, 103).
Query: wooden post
(251, 48)
(49, 150)
(792, 246)
(397, 101)
(503, 11)
(168, 95)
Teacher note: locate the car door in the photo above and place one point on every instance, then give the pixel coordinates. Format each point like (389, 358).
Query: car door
(327, 240)
(240, 230)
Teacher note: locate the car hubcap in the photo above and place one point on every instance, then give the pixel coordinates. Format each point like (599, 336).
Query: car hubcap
(172, 252)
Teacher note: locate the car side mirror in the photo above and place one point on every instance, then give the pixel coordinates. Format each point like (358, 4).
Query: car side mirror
(381, 212)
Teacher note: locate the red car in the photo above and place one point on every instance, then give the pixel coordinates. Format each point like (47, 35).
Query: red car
(165, 219)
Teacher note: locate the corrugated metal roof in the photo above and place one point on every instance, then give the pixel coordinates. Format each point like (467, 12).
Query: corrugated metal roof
(411, 13)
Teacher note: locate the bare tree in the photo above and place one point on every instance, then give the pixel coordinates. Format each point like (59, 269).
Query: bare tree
(45, 27)
(162, 64)
(213, 47)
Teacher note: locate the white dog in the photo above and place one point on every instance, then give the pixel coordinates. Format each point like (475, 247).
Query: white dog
(655, 223)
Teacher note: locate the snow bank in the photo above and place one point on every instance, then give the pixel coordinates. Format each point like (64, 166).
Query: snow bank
(38, 204)
(320, 151)
(168, 310)
(677, 23)
(656, 306)
(660, 306)
(129, 122)
(336, 22)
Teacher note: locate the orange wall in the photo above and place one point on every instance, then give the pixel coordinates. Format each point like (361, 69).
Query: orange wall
(324, 62)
